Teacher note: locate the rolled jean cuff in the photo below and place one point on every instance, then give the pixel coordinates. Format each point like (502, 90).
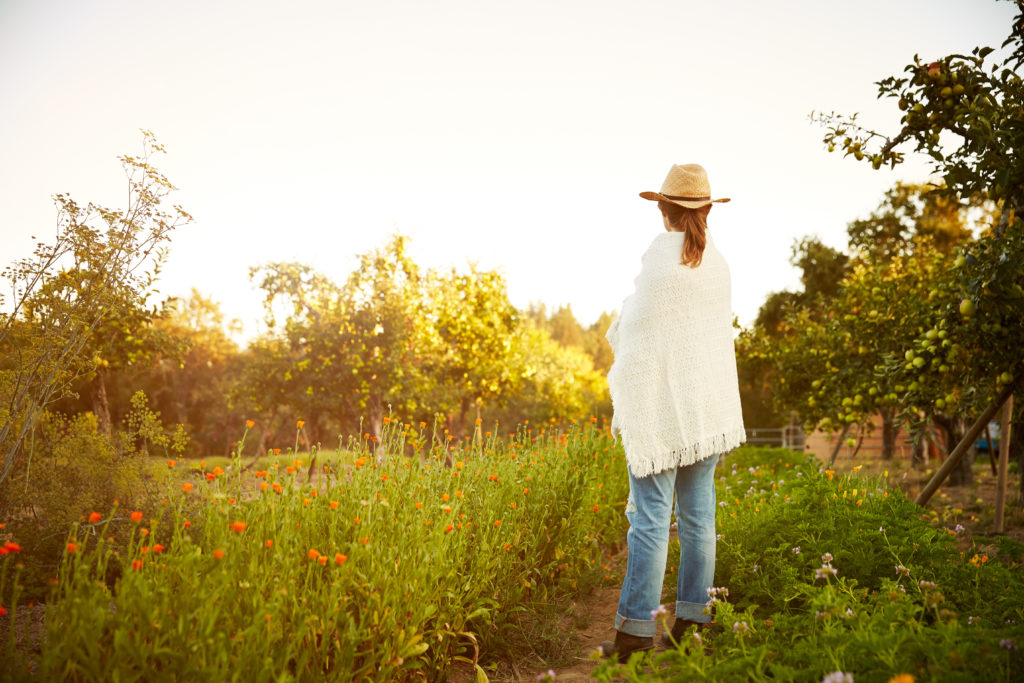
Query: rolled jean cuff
(642, 628)
(693, 611)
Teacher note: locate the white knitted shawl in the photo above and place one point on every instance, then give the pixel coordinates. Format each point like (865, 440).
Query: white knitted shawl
(673, 383)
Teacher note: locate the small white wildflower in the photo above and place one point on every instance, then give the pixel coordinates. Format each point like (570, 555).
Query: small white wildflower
(795, 550)
(926, 584)
(837, 677)
(740, 627)
(660, 612)
(901, 570)
(1008, 643)
(959, 528)
(826, 558)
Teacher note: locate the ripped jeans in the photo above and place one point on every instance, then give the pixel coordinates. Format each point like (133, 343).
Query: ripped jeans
(649, 511)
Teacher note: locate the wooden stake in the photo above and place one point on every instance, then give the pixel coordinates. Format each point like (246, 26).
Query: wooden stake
(1006, 421)
(936, 481)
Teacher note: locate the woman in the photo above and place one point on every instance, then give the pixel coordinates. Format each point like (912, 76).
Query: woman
(676, 407)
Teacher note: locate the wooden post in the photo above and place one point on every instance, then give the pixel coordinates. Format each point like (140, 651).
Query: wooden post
(936, 481)
(1006, 421)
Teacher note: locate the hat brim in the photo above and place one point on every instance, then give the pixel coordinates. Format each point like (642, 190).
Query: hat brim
(658, 197)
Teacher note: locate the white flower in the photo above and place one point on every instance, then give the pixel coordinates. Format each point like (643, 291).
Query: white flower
(837, 677)
(660, 612)
(795, 550)
(740, 627)
(826, 558)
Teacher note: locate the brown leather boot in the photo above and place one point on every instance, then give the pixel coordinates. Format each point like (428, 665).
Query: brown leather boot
(625, 645)
(678, 633)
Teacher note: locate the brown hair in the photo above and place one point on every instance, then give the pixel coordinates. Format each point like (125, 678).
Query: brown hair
(693, 222)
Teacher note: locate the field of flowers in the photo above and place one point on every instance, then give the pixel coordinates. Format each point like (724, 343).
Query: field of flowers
(398, 559)
(386, 563)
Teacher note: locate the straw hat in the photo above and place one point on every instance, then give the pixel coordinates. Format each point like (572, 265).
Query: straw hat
(685, 185)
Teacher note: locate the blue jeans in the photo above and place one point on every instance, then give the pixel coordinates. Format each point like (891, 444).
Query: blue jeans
(649, 511)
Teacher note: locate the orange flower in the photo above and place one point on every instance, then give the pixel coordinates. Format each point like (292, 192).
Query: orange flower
(249, 424)
(95, 517)
(313, 553)
(306, 501)
(364, 540)
(136, 565)
(264, 486)
(238, 527)
(339, 558)
(322, 560)
(72, 548)
(355, 521)
(902, 678)
(144, 531)
(360, 462)
(479, 420)
(218, 471)
(186, 487)
(299, 424)
(513, 505)
(187, 524)
(218, 553)
(387, 420)
(277, 451)
(277, 487)
(158, 548)
(497, 522)
(210, 476)
(171, 463)
(525, 491)
(333, 504)
(3, 610)
(269, 543)
(458, 494)
(422, 425)
(136, 516)
(444, 497)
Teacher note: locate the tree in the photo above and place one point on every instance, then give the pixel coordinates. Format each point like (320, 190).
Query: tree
(63, 294)
(980, 107)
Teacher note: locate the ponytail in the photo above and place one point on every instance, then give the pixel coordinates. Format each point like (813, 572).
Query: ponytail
(692, 222)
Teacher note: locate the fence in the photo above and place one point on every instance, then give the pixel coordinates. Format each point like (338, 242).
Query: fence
(790, 436)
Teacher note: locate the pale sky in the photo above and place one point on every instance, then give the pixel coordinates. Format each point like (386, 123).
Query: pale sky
(512, 134)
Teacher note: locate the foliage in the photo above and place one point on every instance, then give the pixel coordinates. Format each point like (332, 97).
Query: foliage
(71, 466)
(830, 573)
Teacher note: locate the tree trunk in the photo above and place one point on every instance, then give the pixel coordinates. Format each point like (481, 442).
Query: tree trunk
(917, 453)
(888, 435)
(100, 404)
(963, 473)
